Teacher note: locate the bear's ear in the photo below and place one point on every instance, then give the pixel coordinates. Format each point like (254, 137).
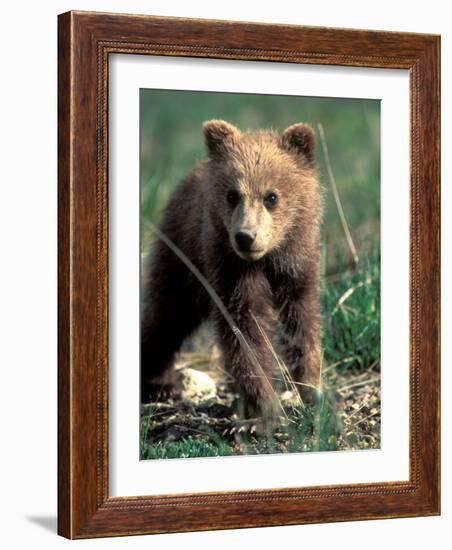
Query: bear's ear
(300, 139)
(220, 136)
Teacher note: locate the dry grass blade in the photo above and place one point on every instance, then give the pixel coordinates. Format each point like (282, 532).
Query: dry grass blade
(287, 378)
(243, 341)
(366, 418)
(210, 290)
(357, 384)
(346, 296)
(337, 199)
(338, 363)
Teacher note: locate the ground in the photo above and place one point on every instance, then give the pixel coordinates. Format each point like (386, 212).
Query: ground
(203, 420)
(200, 425)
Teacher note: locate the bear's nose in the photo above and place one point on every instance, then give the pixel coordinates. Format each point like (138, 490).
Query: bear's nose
(244, 239)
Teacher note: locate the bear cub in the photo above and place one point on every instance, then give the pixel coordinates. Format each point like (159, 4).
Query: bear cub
(248, 219)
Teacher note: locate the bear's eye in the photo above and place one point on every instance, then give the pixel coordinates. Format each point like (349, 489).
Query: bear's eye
(232, 197)
(270, 200)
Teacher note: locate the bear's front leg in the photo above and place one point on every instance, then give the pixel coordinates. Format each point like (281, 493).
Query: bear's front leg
(298, 303)
(246, 353)
(175, 305)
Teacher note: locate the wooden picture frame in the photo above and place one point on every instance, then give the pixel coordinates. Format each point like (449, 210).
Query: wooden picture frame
(85, 42)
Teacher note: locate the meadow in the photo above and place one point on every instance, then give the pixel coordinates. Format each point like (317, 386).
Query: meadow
(347, 416)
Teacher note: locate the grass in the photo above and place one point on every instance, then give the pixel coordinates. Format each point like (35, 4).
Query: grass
(351, 315)
(347, 415)
(188, 447)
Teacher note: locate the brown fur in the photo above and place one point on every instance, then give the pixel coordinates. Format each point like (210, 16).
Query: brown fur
(275, 282)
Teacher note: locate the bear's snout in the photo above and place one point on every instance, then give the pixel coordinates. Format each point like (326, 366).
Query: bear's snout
(244, 239)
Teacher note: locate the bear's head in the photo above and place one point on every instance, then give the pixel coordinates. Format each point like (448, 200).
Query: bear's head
(263, 185)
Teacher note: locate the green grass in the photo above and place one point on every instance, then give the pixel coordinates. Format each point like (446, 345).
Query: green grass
(185, 448)
(172, 142)
(351, 314)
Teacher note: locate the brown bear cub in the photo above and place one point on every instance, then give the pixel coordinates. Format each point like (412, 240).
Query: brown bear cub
(248, 219)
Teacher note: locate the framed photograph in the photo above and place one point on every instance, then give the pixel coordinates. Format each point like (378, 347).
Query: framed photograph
(249, 263)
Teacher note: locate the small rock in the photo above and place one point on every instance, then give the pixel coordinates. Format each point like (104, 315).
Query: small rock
(197, 387)
(290, 399)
